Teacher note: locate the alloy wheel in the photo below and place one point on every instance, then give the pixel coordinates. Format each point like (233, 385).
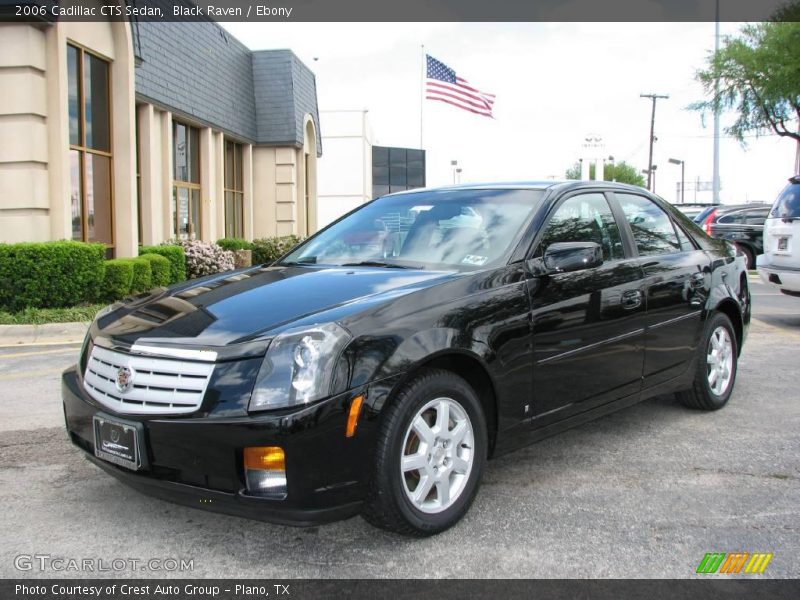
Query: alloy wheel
(719, 359)
(438, 453)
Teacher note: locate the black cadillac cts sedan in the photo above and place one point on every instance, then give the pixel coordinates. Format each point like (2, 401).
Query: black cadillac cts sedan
(376, 367)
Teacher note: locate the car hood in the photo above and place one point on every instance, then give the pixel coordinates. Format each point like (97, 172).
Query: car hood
(234, 308)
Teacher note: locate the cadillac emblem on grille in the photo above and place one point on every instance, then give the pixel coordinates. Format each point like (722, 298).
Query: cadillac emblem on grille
(124, 379)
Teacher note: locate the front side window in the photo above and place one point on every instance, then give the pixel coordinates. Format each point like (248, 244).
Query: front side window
(186, 181)
(585, 218)
(90, 162)
(463, 229)
(234, 191)
(652, 228)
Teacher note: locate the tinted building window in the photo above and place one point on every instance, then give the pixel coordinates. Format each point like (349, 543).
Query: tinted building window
(234, 191)
(186, 181)
(89, 109)
(396, 170)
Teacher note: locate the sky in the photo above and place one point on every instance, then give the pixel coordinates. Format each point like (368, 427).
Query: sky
(555, 84)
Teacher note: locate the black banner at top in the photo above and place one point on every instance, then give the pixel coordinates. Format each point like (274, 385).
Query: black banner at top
(400, 10)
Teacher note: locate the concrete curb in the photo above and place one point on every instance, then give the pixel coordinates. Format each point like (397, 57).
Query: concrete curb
(48, 333)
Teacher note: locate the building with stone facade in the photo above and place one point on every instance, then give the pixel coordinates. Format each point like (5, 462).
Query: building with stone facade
(133, 133)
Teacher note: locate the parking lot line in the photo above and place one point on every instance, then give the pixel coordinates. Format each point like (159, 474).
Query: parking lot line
(781, 330)
(26, 344)
(22, 354)
(30, 374)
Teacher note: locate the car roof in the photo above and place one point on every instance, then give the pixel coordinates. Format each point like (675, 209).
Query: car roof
(528, 185)
(726, 208)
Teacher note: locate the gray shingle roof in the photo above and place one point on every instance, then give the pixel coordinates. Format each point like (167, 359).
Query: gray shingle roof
(199, 71)
(285, 91)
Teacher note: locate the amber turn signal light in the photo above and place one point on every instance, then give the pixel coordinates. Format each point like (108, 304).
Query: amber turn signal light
(352, 416)
(264, 458)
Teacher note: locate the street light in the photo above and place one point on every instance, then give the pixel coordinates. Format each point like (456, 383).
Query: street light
(677, 161)
(454, 165)
(613, 168)
(651, 175)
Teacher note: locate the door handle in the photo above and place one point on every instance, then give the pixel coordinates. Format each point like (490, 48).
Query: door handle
(631, 299)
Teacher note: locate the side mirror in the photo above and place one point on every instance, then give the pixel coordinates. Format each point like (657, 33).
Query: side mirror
(563, 257)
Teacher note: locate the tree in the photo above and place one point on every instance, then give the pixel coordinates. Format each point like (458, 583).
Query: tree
(621, 172)
(759, 79)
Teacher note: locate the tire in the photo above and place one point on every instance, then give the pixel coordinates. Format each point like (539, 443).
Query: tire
(447, 466)
(749, 258)
(707, 392)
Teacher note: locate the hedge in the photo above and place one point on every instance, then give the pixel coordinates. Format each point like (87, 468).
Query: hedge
(234, 244)
(175, 256)
(160, 268)
(268, 250)
(118, 279)
(49, 274)
(142, 275)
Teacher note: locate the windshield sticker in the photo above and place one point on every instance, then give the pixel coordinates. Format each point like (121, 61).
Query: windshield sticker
(472, 259)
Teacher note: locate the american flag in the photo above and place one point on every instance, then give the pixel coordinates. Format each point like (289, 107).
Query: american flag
(444, 85)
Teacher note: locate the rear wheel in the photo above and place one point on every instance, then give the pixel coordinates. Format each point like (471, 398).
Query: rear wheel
(717, 364)
(429, 456)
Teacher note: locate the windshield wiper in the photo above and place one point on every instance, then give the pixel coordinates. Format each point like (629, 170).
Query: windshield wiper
(378, 263)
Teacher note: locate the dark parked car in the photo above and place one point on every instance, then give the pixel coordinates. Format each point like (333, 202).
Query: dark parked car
(378, 378)
(692, 209)
(743, 225)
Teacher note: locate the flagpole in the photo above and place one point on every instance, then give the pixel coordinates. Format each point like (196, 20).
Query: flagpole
(421, 92)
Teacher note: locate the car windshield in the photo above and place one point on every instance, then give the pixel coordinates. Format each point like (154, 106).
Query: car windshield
(787, 206)
(432, 229)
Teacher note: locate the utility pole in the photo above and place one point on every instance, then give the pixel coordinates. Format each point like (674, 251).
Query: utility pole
(715, 177)
(653, 97)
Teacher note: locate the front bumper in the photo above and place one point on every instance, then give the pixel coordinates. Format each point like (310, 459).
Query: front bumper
(198, 461)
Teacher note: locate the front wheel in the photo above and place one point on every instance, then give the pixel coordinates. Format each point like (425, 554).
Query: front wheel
(717, 362)
(429, 456)
(749, 256)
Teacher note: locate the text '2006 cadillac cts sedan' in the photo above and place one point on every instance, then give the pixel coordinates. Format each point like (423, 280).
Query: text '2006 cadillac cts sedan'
(378, 365)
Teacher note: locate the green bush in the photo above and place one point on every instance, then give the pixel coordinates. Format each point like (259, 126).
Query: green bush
(49, 274)
(142, 275)
(118, 279)
(160, 268)
(175, 256)
(234, 244)
(268, 250)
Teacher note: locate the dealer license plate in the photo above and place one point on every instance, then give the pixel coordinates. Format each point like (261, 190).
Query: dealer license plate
(117, 442)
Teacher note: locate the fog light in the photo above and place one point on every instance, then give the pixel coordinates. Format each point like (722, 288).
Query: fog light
(265, 471)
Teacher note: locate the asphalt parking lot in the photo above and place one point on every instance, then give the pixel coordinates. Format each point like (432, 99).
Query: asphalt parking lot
(645, 492)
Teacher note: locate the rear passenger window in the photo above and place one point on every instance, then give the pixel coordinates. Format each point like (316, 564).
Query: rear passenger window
(756, 217)
(652, 228)
(736, 217)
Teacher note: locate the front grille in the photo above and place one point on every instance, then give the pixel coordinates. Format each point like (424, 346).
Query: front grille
(159, 386)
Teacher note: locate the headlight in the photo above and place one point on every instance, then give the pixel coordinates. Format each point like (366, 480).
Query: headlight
(300, 367)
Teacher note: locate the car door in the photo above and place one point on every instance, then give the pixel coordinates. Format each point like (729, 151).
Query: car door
(676, 284)
(587, 325)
